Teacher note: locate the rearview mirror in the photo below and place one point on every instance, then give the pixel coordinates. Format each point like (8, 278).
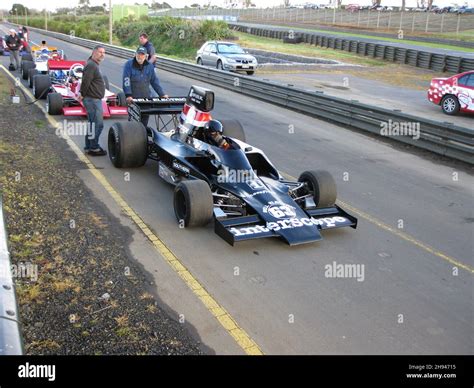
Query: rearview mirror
(202, 99)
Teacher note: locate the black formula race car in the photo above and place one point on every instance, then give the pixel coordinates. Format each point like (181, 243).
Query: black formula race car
(237, 187)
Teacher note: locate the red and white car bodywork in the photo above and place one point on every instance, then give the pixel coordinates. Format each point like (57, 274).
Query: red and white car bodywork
(454, 94)
(63, 91)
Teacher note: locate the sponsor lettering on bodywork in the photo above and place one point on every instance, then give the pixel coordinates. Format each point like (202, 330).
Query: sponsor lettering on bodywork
(291, 223)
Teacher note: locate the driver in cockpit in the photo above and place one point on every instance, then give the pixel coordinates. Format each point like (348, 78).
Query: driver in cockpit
(75, 75)
(213, 134)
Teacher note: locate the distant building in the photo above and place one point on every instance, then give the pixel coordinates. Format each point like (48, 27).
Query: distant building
(120, 11)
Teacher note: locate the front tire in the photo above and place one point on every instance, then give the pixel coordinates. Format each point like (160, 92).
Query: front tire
(321, 184)
(450, 105)
(199, 61)
(128, 144)
(54, 104)
(219, 65)
(250, 72)
(193, 203)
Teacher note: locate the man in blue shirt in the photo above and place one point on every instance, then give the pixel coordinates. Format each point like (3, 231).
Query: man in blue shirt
(150, 49)
(138, 76)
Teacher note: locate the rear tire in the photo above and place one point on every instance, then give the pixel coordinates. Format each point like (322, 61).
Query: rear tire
(450, 105)
(54, 104)
(251, 72)
(121, 99)
(41, 85)
(31, 74)
(27, 57)
(193, 203)
(128, 144)
(233, 128)
(106, 82)
(25, 67)
(322, 185)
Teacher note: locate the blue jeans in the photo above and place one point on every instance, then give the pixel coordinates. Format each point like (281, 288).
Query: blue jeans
(95, 116)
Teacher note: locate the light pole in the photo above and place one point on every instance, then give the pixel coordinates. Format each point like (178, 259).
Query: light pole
(110, 21)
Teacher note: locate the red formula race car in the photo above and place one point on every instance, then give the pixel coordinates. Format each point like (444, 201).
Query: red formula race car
(61, 88)
(454, 94)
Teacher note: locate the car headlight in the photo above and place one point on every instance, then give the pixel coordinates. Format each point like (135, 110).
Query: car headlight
(230, 60)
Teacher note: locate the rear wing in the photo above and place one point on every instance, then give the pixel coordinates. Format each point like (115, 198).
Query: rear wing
(158, 107)
(63, 65)
(39, 48)
(40, 56)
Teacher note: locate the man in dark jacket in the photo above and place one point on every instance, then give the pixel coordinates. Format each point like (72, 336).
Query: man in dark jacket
(151, 57)
(14, 44)
(91, 94)
(138, 76)
(150, 49)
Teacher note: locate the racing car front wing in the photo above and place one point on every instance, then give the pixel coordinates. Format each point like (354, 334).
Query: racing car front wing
(294, 230)
(108, 110)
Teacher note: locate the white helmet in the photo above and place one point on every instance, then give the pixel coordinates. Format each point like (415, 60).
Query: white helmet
(77, 72)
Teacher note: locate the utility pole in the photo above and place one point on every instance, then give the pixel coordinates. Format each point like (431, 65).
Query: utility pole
(110, 21)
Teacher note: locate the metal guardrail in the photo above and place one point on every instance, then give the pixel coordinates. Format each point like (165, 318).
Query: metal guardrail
(418, 58)
(441, 138)
(10, 337)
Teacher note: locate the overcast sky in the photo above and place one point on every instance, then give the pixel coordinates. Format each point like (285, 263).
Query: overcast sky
(53, 4)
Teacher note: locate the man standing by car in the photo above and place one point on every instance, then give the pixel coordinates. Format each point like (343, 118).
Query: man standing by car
(144, 42)
(150, 49)
(138, 76)
(91, 94)
(14, 44)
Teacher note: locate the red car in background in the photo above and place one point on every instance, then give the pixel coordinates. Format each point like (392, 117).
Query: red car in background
(61, 85)
(454, 94)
